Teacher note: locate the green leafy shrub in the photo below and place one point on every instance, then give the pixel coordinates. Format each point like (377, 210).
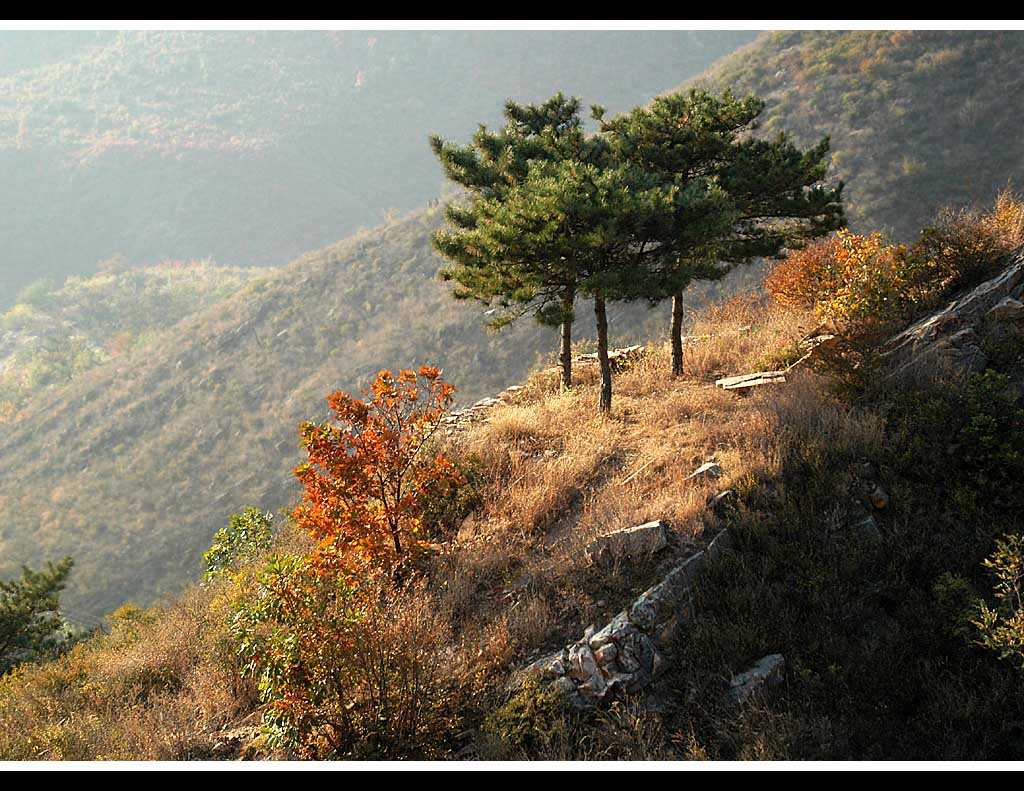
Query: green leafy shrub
(1001, 627)
(346, 663)
(248, 533)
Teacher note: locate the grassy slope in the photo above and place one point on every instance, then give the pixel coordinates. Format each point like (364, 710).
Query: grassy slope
(918, 120)
(253, 147)
(875, 633)
(135, 464)
(54, 334)
(512, 580)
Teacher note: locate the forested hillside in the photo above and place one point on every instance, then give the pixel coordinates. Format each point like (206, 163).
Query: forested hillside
(253, 147)
(53, 333)
(917, 119)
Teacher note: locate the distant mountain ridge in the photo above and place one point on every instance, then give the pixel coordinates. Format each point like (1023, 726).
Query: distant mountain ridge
(918, 119)
(252, 147)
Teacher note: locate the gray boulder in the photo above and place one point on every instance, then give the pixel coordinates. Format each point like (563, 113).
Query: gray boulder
(763, 676)
(632, 542)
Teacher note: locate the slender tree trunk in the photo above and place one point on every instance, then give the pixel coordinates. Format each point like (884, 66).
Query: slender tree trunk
(677, 334)
(565, 353)
(605, 404)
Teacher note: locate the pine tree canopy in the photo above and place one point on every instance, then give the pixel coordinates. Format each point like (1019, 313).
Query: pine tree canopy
(30, 627)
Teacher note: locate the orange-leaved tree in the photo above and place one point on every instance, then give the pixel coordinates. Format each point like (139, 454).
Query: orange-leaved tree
(369, 476)
(851, 280)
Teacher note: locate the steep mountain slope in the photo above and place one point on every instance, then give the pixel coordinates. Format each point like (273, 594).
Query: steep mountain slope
(856, 535)
(253, 147)
(54, 334)
(135, 464)
(918, 119)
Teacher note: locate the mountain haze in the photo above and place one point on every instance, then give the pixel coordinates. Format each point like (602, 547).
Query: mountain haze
(253, 147)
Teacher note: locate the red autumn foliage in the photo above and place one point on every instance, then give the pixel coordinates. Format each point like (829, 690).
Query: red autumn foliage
(369, 476)
(796, 280)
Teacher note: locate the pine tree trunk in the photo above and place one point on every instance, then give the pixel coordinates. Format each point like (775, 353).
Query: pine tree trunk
(565, 353)
(677, 334)
(605, 404)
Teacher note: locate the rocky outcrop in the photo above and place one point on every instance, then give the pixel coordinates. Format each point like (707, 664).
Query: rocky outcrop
(766, 674)
(631, 543)
(460, 418)
(950, 334)
(1008, 309)
(617, 357)
(746, 382)
(628, 652)
(709, 470)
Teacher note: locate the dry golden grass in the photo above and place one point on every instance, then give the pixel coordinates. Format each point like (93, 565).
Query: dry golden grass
(157, 687)
(557, 475)
(515, 579)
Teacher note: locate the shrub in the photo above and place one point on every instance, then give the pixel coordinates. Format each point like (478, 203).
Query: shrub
(369, 479)
(857, 282)
(968, 246)
(1001, 628)
(347, 663)
(534, 718)
(796, 280)
(248, 533)
(851, 281)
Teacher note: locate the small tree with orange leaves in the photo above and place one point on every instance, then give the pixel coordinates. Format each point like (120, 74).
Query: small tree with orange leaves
(338, 641)
(368, 479)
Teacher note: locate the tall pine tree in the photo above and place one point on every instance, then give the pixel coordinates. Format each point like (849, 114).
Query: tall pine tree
(773, 192)
(518, 274)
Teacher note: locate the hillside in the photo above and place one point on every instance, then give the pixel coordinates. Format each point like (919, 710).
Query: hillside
(54, 334)
(116, 468)
(135, 463)
(858, 528)
(918, 119)
(254, 147)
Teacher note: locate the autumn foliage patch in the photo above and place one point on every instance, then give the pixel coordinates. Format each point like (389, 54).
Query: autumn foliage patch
(369, 478)
(850, 280)
(340, 640)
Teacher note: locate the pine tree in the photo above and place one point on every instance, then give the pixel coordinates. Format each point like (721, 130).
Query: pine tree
(601, 216)
(761, 196)
(515, 272)
(30, 626)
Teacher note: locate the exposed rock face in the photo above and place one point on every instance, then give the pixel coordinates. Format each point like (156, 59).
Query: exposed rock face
(633, 542)
(707, 471)
(627, 653)
(767, 673)
(718, 501)
(950, 333)
(1008, 309)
